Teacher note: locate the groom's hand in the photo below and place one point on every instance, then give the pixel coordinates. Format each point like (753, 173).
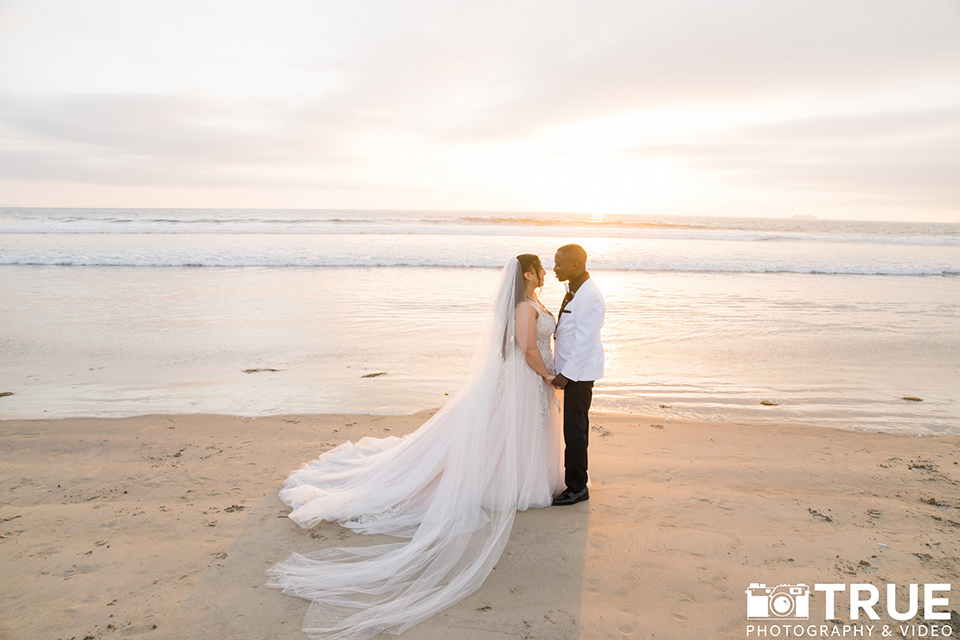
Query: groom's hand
(560, 382)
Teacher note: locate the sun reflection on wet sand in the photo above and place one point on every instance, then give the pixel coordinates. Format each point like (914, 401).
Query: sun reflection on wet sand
(837, 350)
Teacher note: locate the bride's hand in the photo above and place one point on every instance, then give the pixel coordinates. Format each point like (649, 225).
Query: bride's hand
(549, 379)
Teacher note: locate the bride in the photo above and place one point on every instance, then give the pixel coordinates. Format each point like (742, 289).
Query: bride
(449, 490)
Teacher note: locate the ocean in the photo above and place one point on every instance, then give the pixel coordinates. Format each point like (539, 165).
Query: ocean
(111, 312)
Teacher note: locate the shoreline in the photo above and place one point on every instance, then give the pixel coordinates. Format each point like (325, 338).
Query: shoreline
(163, 525)
(425, 413)
(676, 417)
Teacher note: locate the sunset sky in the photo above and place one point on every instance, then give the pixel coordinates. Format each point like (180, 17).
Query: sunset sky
(846, 109)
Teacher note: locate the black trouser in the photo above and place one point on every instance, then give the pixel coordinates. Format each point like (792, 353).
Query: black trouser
(576, 432)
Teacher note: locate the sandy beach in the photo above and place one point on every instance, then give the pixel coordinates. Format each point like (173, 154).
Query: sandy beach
(162, 527)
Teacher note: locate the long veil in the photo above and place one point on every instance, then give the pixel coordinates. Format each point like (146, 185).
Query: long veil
(450, 490)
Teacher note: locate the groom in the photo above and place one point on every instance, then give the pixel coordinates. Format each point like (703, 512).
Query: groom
(579, 359)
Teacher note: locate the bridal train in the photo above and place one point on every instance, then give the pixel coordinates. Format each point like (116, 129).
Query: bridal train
(448, 491)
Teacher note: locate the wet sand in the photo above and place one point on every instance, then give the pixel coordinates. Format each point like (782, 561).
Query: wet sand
(163, 526)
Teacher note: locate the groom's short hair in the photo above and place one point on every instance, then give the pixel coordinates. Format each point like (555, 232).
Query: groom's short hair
(575, 251)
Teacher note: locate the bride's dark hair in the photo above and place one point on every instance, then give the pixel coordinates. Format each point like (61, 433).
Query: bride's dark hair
(529, 262)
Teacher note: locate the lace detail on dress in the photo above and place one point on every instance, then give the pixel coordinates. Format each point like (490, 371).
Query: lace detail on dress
(545, 328)
(367, 520)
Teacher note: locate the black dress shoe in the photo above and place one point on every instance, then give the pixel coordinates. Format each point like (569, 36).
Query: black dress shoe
(571, 497)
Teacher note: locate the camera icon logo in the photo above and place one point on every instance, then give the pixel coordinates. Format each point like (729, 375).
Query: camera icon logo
(783, 602)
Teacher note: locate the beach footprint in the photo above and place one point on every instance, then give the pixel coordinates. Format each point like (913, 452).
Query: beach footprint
(684, 609)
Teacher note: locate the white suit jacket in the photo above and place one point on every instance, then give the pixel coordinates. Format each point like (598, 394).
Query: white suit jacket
(578, 352)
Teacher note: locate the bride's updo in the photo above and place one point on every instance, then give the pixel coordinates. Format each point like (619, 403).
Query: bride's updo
(529, 262)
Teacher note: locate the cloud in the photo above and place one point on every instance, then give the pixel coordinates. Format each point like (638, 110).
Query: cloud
(170, 140)
(159, 126)
(896, 157)
(688, 53)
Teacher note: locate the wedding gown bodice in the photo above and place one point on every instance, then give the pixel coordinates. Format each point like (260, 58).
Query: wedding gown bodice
(545, 328)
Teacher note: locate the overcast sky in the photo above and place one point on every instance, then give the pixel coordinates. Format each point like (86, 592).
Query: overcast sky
(836, 108)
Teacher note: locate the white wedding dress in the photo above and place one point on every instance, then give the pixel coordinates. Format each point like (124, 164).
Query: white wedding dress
(450, 489)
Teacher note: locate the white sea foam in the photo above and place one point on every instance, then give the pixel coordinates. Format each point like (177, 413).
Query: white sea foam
(228, 238)
(701, 266)
(233, 222)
